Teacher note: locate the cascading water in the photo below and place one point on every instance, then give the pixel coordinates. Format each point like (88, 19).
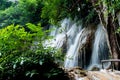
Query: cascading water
(81, 46)
(65, 34)
(76, 54)
(100, 48)
(72, 53)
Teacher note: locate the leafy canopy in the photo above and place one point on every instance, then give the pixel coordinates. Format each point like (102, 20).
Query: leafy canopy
(56, 10)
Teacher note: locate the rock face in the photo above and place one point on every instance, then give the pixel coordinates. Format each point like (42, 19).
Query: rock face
(80, 74)
(95, 68)
(75, 73)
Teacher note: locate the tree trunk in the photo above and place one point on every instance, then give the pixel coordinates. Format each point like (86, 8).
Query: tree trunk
(113, 38)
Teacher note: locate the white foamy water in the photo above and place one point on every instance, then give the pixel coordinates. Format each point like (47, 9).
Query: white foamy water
(99, 45)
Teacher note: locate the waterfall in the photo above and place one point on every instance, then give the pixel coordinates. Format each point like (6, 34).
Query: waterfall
(100, 48)
(84, 47)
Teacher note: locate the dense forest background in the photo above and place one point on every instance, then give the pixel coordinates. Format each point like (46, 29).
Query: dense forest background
(24, 26)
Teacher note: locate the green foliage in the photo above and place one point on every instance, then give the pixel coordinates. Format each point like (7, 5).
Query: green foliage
(56, 10)
(4, 4)
(16, 35)
(53, 10)
(22, 12)
(23, 54)
(116, 5)
(46, 11)
(113, 5)
(118, 30)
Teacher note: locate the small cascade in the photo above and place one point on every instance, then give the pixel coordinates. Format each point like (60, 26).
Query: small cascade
(72, 53)
(100, 48)
(65, 34)
(77, 54)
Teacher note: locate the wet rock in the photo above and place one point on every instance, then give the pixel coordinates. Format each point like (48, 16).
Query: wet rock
(75, 73)
(103, 75)
(78, 73)
(95, 68)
